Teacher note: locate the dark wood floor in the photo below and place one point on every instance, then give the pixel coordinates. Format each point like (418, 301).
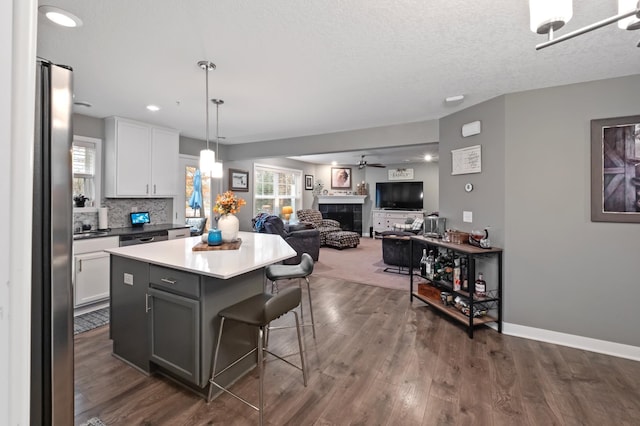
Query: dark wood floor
(379, 360)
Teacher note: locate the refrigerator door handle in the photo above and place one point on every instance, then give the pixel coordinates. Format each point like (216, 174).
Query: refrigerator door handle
(147, 307)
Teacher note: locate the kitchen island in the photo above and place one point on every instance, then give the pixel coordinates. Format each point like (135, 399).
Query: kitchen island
(165, 300)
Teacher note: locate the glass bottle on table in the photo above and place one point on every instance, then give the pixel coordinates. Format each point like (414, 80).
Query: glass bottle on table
(430, 265)
(481, 286)
(457, 283)
(423, 263)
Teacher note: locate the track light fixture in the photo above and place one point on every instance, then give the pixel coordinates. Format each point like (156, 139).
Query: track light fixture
(547, 16)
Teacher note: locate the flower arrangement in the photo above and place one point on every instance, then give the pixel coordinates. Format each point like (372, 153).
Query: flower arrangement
(228, 203)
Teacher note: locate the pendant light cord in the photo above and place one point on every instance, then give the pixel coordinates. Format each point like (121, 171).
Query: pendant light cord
(206, 101)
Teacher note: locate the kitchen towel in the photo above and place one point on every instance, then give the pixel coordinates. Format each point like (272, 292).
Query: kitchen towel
(103, 218)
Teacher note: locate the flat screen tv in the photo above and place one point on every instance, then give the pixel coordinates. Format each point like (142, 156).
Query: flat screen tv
(399, 195)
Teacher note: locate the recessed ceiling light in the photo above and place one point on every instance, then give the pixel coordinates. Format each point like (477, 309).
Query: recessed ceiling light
(428, 157)
(453, 99)
(153, 108)
(60, 16)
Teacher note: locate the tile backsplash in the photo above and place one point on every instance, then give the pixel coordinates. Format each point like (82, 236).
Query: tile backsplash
(160, 211)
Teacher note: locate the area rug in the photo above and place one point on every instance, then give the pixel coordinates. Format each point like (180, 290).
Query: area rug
(90, 320)
(362, 264)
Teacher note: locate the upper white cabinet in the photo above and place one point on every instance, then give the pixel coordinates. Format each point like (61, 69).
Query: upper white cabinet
(141, 160)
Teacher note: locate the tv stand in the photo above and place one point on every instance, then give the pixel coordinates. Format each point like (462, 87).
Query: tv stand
(384, 219)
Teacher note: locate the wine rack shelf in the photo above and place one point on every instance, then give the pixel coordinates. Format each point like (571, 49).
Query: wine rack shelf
(429, 290)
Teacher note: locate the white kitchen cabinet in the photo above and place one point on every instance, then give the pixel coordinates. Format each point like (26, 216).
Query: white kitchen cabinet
(91, 270)
(172, 234)
(92, 278)
(141, 160)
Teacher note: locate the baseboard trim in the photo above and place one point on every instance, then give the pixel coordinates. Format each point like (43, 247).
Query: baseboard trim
(579, 342)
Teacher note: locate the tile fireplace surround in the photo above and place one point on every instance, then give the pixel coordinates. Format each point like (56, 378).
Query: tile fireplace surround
(346, 209)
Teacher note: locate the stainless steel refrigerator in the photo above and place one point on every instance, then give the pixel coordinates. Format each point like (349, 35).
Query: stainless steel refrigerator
(52, 297)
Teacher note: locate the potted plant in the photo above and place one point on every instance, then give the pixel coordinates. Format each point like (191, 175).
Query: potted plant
(80, 200)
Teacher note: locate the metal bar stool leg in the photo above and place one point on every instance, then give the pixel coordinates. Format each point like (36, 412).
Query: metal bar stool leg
(261, 374)
(215, 360)
(304, 367)
(313, 322)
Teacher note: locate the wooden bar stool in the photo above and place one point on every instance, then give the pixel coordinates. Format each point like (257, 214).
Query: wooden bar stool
(275, 273)
(259, 311)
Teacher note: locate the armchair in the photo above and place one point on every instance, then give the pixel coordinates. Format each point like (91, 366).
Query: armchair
(196, 225)
(324, 226)
(300, 237)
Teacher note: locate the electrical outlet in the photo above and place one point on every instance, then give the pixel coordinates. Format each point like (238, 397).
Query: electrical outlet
(128, 278)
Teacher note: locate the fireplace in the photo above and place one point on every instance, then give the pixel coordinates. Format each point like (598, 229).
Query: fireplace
(349, 215)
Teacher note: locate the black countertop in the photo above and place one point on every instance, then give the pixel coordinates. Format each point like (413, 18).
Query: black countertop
(117, 232)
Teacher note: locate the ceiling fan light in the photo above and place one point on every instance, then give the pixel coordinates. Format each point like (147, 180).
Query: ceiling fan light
(632, 22)
(545, 15)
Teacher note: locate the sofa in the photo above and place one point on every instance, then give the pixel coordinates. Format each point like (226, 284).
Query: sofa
(324, 226)
(301, 237)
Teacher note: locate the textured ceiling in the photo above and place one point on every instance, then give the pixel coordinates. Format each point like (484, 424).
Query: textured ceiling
(292, 68)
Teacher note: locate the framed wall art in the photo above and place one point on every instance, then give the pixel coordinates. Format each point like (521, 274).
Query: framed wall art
(238, 180)
(308, 182)
(615, 169)
(340, 178)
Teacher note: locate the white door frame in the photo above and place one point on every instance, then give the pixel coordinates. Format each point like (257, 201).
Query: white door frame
(179, 200)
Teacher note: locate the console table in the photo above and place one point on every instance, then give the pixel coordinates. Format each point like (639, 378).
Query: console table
(383, 220)
(429, 290)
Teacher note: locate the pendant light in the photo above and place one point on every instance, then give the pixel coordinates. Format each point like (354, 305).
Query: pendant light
(216, 172)
(632, 22)
(546, 16)
(207, 157)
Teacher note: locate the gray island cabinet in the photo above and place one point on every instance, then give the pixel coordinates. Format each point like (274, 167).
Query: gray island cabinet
(165, 300)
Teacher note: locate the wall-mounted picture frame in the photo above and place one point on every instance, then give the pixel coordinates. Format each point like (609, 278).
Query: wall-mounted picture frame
(340, 178)
(308, 182)
(615, 169)
(238, 180)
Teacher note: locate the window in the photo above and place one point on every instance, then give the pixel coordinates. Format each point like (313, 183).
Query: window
(275, 188)
(204, 199)
(86, 160)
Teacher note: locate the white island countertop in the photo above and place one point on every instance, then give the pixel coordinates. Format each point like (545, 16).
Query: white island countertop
(256, 251)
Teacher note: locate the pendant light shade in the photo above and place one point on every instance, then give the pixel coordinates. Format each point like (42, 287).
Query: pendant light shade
(207, 161)
(216, 170)
(632, 22)
(207, 156)
(549, 15)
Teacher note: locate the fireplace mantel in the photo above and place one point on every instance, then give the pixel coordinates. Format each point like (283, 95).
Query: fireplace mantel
(341, 199)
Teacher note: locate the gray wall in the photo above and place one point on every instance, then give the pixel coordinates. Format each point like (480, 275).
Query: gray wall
(388, 136)
(564, 272)
(91, 127)
(486, 201)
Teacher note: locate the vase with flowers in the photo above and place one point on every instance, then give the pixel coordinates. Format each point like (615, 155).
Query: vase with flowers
(227, 205)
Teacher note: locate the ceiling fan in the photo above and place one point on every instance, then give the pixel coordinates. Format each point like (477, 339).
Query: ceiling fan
(363, 163)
